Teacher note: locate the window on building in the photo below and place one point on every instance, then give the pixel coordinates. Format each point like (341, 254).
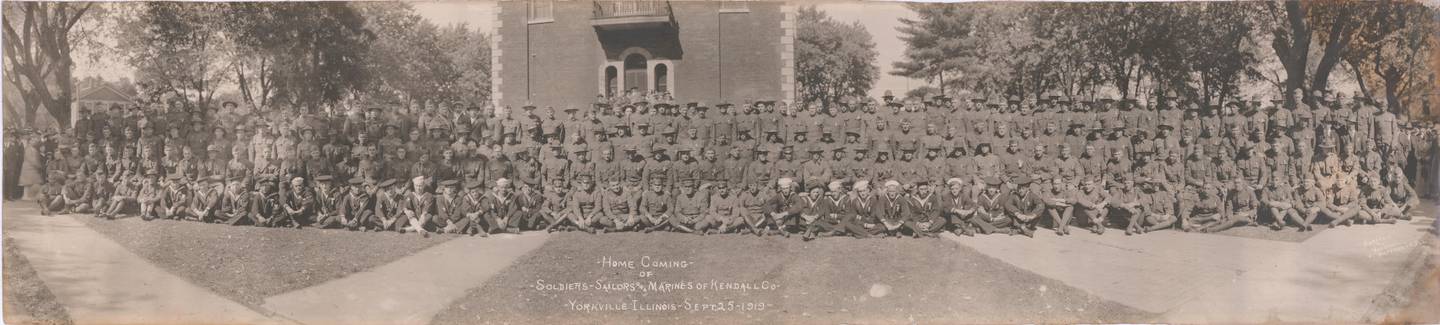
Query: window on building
(662, 78)
(635, 74)
(611, 79)
(735, 6)
(540, 11)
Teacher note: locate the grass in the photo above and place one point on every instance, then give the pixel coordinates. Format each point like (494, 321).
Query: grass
(827, 281)
(27, 299)
(248, 264)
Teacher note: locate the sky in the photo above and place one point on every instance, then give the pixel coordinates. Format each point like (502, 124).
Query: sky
(879, 18)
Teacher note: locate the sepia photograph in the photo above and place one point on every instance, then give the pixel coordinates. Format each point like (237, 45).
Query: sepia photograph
(720, 162)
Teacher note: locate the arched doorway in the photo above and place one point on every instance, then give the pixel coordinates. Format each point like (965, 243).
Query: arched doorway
(612, 76)
(636, 67)
(662, 77)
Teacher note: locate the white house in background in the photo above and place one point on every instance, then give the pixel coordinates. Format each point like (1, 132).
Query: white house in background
(98, 98)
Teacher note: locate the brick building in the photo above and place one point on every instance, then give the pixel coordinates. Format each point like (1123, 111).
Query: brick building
(559, 53)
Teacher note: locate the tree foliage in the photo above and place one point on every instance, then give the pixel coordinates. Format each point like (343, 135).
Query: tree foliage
(39, 40)
(833, 60)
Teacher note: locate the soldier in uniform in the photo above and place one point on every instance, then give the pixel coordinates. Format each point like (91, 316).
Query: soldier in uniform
(690, 208)
(356, 209)
(655, 206)
(784, 206)
(584, 207)
(1242, 208)
(472, 208)
(418, 208)
(924, 210)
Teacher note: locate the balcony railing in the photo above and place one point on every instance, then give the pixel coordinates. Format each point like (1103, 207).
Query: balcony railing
(624, 9)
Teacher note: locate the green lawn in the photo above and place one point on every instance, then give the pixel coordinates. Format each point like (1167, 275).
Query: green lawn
(246, 263)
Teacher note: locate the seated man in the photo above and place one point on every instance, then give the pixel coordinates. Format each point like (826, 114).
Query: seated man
(77, 195)
(556, 201)
(990, 216)
(357, 209)
(958, 205)
(724, 214)
(175, 199)
(149, 197)
(1242, 208)
(297, 209)
(1158, 205)
(51, 197)
(472, 207)
(690, 207)
(327, 202)
(894, 220)
(1376, 206)
(655, 207)
(924, 212)
(753, 199)
(619, 211)
(583, 206)
(418, 208)
(1279, 199)
(502, 211)
(784, 206)
(1201, 207)
(1059, 206)
(389, 207)
(205, 202)
(1091, 202)
(449, 214)
(1025, 206)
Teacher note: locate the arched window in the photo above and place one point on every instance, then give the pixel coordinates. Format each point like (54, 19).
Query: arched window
(662, 78)
(611, 78)
(635, 72)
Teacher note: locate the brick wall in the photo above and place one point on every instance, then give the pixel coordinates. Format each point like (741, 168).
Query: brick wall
(715, 56)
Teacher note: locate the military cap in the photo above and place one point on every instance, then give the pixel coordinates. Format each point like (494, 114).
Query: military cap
(353, 180)
(236, 178)
(888, 94)
(473, 184)
(907, 146)
(215, 178)
(954, 180)
(1023, 180)
(449, 183)
(324, 178)
(387, 183)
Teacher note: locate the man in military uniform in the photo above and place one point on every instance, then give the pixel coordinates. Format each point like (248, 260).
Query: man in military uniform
(327, 204)
(690, 208)
(205, 204)
(356, 209)
(783, 207)
(655, 206)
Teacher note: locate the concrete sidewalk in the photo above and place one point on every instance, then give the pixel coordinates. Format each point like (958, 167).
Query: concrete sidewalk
(99, 281)
(1205, 278)
(410, 290)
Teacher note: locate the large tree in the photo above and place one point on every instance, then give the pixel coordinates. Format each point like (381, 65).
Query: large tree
(942, 41)
(833, 59)
(39, 39)
(316, 50)
(178, 48)
(1390, 52)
